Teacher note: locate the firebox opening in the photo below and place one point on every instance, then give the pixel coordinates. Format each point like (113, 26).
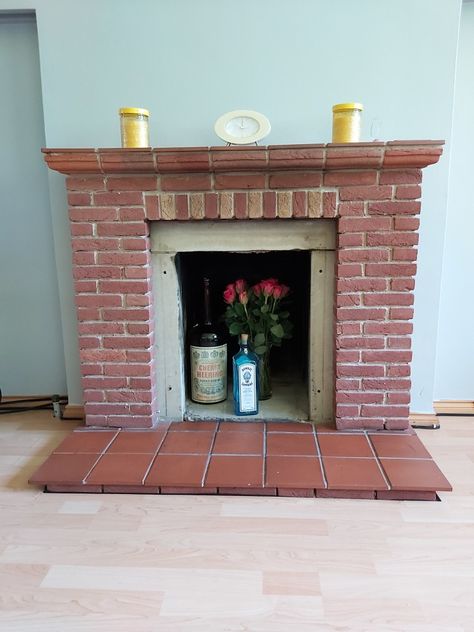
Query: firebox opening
(289, 363)
(301, 254)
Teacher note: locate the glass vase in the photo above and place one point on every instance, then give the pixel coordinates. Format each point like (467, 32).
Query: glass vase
(264, 377)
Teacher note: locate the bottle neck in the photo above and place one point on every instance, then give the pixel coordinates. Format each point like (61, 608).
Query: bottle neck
(244, 346)
(207, 302)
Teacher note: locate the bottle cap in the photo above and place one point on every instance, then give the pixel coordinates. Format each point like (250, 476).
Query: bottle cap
(244, 338)
(341, 107)
(134, 111)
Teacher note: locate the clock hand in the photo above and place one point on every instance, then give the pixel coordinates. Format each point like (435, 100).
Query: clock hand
(242, 124)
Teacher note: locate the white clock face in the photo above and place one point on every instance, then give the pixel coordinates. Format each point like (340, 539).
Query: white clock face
(242, 127)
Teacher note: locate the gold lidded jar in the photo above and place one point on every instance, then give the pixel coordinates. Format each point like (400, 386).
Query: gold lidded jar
(346, 122)
(134, 127)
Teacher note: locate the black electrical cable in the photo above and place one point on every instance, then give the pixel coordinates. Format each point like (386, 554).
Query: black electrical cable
(29, 400)
(11, 406)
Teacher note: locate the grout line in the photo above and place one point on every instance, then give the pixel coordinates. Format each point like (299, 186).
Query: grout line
(264, 451)
(211, 447)
(348, 457)
(111, 441)
(194, 431)
(152, 462)
(320, 458)
(99, 456)
(406, 458)
(233, 454)
(379, 464)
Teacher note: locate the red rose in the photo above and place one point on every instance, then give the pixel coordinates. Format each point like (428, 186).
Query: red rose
(240, 286)
(243, 297)
(277, 291)
(267, 286)
(229, 294)
(256, 289)
(284, 290)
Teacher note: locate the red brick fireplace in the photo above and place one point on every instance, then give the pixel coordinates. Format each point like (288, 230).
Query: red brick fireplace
(370, 191)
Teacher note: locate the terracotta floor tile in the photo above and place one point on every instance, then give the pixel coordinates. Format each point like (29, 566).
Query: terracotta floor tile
(192, 425)
(87, 441)
(366, 494)
(247, 491)
(75, 489)
(69, 469)
(135, 441)
(130, 489)
(235, 471)
(120, 469)
(198, 442)
(350, 473)
(403, 446)
(178, 470)
(289, 426)
(238, 443)
(201, 491)
(297, 444)
(415, 475)
(295, 492)
(241, 426)
(344, 445)
(293, 472)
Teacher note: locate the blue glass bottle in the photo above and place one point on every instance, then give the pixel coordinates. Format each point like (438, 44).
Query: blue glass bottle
(245, 373)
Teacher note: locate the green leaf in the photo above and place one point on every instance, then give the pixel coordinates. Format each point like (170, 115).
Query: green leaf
(264, 309)
(284, 314)
(239, 309)
(260, 350)
(235, 329)
(259, 339)
(274, 316)
(277, 330)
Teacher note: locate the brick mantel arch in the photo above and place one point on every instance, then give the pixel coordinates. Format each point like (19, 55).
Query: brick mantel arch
(372, 190)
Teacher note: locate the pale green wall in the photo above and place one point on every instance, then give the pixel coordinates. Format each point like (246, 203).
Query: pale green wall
(188, 61)
(31, 345)
(455, 349)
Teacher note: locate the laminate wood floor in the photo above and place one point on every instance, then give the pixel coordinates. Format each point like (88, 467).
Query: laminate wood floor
(146, 563)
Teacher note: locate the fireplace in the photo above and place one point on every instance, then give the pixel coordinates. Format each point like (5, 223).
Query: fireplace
(355, 205)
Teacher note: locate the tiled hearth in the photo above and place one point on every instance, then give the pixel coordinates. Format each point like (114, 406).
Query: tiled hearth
(269, 459)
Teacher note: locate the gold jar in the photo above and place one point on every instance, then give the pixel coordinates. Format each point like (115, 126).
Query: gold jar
(134, 127)
(346, 119)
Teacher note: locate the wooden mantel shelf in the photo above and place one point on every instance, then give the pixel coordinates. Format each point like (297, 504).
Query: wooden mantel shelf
(413, 154)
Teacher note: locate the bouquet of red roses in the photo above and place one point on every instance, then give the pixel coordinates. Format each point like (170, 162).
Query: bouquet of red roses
(258, 311)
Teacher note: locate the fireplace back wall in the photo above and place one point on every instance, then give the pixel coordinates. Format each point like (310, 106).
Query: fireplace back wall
(372, 190)
(290, 267)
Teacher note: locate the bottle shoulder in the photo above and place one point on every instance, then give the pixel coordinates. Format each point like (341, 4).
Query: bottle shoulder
(248, 356)
(206, 336)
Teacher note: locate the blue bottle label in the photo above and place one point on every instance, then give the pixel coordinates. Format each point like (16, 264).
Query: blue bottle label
(247, 374)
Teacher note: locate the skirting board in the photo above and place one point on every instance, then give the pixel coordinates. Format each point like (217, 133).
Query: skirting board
(454, 407)
(72, 411)
(442, 407)
(428, 419)
(420, 420)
